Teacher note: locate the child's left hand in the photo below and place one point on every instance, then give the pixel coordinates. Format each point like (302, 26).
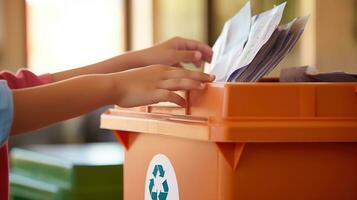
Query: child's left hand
(174, 52)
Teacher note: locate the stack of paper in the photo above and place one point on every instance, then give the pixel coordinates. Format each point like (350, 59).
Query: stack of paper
(311, 74)
(250, 47)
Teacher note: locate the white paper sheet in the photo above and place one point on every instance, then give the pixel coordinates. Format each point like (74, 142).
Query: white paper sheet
(250, 47)
(230, 42)
(263, 27)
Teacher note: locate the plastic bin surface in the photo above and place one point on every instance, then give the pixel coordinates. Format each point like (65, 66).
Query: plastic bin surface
(243, 141)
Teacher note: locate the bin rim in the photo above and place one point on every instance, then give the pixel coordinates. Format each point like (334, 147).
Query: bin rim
(221, 114)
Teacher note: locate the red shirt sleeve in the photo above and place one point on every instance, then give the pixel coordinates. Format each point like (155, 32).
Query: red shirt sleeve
(24, 78)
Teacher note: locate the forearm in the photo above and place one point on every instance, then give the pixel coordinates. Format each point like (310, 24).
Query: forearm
(116, 64)
(44, 105)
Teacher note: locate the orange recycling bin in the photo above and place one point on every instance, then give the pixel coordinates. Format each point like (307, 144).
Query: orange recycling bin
(243, 141)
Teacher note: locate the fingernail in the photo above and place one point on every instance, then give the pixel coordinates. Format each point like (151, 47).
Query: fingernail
(202, 86)
(198, 55)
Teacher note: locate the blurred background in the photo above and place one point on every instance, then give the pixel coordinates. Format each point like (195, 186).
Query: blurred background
(53, 35)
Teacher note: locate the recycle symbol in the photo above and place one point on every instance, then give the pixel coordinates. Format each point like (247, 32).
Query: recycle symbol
(158, 186)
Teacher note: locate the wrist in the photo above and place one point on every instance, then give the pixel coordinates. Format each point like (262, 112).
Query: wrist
(115, 86)
(123, 62)
(138, 58)
(108, 87)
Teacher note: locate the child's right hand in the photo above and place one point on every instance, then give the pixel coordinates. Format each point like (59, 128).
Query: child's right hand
(37, 107)
(155, 83)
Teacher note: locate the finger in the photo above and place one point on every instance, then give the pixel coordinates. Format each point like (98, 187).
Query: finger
(197, 64)
(187, 56)
(181, 84)
(187, 44)
(162, 95)
(188, 74)
(165, 67)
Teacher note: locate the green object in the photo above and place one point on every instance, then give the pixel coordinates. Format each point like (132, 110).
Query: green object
(84, 171)
(162, 195)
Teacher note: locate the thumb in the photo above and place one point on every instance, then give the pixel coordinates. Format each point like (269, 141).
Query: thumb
(187, 56)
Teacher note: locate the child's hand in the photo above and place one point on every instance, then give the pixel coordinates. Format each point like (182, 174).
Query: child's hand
(175, 51)
(156, 83)
(73, 97)
(171, 52)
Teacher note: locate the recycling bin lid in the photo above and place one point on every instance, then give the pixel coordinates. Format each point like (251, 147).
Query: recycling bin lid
(249, 112)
